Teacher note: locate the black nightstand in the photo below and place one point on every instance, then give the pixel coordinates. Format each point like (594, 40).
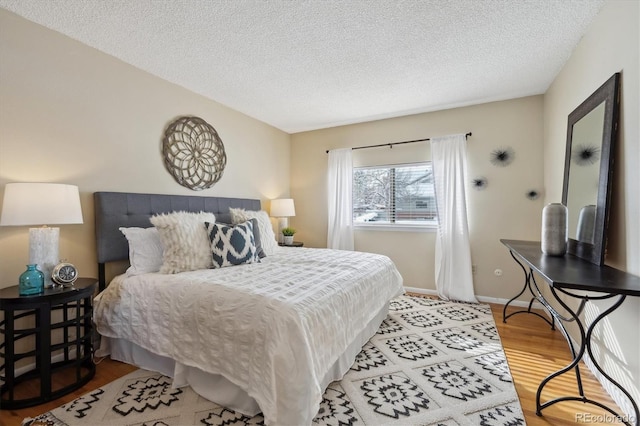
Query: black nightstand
(59, 321)
(294, 244)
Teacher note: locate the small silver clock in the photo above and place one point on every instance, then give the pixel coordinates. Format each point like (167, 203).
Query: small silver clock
(64, 274)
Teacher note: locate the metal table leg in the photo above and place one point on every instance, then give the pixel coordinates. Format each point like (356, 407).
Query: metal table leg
(528, 276)
(584, 345)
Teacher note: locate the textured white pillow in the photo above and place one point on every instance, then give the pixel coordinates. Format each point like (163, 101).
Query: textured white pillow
(145, 250)
(267, 237)
(185, 241)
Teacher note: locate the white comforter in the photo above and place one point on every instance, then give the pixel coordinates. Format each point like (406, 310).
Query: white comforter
(273, 328)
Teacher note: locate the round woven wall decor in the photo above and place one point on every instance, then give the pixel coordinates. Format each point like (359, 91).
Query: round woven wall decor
(193, 153)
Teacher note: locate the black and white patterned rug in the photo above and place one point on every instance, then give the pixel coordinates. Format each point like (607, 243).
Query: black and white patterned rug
(431, 363)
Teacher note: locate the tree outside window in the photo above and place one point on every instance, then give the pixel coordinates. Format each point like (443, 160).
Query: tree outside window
(394, 194)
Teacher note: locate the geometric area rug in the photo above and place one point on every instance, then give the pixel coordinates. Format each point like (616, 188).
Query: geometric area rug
(431, 363)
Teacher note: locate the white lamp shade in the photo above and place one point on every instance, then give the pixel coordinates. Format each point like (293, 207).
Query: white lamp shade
(40, 204)
(282, 207)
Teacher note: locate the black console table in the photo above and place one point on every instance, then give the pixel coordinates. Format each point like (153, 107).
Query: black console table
(571, 276)
(60, 320)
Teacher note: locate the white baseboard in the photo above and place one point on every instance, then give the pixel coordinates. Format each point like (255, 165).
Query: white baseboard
(483, 299)
(26, 368)
(421, 291)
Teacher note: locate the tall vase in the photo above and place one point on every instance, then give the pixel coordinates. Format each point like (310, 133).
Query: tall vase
(31, 281)
(587, 224)
(555, 223)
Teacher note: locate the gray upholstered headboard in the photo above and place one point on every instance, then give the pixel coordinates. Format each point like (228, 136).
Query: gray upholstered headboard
(124, 209)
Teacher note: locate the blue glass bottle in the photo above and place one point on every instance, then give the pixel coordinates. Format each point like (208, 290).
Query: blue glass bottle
(31, 281)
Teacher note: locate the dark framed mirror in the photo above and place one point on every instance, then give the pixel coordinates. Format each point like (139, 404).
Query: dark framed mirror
(588, 166)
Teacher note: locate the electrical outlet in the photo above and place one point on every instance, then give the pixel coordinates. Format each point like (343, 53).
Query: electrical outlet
(498, 272)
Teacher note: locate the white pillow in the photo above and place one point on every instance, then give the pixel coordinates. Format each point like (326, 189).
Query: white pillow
(267, 237)
(185, 241)
(145, 250)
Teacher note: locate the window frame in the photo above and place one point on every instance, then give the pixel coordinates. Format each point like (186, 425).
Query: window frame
(417, 226)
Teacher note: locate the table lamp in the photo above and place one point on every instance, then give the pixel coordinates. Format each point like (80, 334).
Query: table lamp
(283, 209)
(43, 204)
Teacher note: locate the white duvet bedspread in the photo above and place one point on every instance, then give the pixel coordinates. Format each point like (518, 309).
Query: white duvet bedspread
(273, 328)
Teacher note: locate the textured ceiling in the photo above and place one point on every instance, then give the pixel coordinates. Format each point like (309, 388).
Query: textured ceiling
(304, 65)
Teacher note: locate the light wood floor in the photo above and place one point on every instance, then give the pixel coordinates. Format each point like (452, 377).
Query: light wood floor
(532, 348)
(534, 351)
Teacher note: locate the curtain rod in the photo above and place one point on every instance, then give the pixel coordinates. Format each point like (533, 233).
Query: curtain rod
(390, 145)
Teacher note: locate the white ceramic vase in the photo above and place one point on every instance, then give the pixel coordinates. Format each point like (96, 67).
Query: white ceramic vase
(288, 239)
(555, 222)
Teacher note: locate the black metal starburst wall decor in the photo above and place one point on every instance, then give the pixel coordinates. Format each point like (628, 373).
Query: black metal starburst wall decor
(502, 157)
(532, 194)
(585, 155)
(479, 183)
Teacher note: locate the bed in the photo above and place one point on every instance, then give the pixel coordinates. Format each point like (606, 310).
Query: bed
(266, 336)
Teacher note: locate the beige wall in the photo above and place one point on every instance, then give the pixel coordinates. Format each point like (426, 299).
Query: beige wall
(612, 44)
(500, 211)
(71, 114)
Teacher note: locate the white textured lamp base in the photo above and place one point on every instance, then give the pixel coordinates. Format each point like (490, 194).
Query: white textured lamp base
(283, 222)
(43, 250)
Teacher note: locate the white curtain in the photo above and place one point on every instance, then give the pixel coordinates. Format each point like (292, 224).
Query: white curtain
(340, 230)
(454, 279)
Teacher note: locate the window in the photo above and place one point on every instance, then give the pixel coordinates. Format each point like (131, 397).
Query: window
(394, 195)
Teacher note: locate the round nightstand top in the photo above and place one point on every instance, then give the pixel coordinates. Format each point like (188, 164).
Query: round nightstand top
(294, 244)
(82, 285)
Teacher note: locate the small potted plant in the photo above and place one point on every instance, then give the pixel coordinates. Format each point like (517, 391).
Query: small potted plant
(288, 235)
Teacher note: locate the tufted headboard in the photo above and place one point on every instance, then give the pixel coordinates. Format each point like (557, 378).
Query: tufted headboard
(124, 209)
